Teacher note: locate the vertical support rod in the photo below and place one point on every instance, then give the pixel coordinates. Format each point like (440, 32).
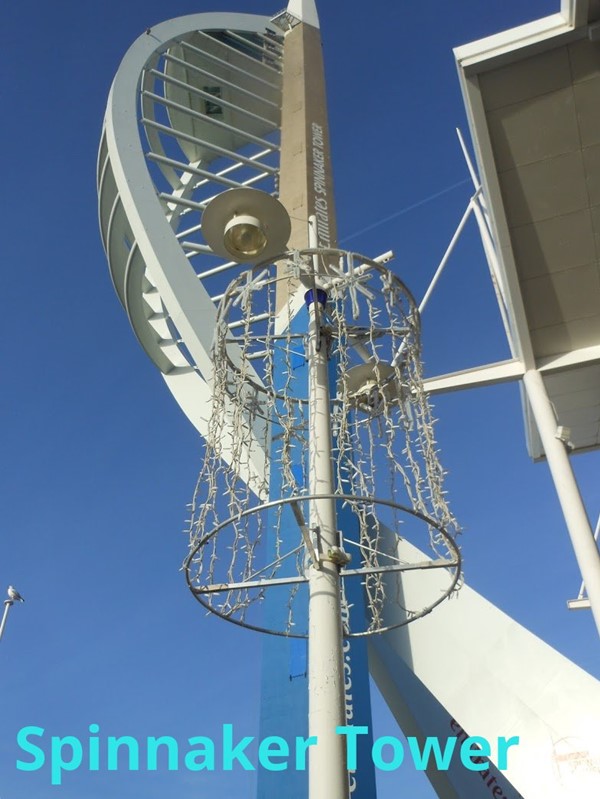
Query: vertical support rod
(474, 177)
(328, 776)
(447, 254)
(492, 258)
(578, 525)
(581, 594)
(438, 271)
(7, 606)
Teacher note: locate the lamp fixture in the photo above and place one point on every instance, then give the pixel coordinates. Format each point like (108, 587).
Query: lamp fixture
(246, 225)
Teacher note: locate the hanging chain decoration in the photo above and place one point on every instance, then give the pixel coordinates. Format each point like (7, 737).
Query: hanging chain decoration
(389, 480)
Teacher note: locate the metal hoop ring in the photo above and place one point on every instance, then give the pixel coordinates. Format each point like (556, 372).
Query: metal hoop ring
(448, 540)
(239, 280)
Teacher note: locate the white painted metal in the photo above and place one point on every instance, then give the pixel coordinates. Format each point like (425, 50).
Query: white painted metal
(578, 525)
(503, 44)
(483, 221)
(447, 254)
(579, 357)
(493, 265)
(506, 371)
(487, 375)
(485, 71)
(7, 606)
(471, 663)
(520, 337)
(473, 174)
(582, 601)
(140, 210)
(575, 12)
(578, 604)
(179, 289)
(438, 272)
(328, 777)
(304, 11)
(8, 603)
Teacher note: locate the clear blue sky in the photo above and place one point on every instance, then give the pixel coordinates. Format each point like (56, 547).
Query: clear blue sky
(98, 460)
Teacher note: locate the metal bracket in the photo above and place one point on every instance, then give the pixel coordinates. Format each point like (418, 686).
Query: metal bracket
(338, 556)
(304, 529)
(564, 434)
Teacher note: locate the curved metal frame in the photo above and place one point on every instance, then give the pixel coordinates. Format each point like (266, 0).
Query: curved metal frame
(449, 541)
(325, 278)
(148, 263)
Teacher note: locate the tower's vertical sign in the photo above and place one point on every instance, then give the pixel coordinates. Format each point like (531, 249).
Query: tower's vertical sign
(320, 187)
(306, 183)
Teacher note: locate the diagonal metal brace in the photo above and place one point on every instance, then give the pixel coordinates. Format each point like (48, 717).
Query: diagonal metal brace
(301, 521)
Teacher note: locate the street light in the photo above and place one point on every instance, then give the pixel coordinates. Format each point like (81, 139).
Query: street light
(13, 596)
(246, 225)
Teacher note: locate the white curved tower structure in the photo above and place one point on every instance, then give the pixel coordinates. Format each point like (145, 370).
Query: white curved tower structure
(194, 110)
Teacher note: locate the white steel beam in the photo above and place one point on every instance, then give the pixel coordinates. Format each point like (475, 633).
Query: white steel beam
(190, 112)
(502, 45)
(578, 525)
(240, 54)
(506, 371)
(222, 82)
(188, 87)
(578, 604)
(515, 310)
(177, 134)
(581, 357)
(229, 66)
(204, 173)
(575, 12)
(487, 375)
(582, 601)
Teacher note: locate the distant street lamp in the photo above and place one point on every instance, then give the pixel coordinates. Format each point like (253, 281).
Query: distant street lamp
(14, 596)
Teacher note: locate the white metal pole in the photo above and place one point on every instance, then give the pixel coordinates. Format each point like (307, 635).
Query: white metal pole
(7, 606)
(447, 254)
(578, 525)
(581, 594)
(438, 271)
(474, 177)
(328, 775)
(485, 231)
(492, 259)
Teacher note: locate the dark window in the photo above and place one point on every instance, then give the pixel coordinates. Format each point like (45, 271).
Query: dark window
(212, 109)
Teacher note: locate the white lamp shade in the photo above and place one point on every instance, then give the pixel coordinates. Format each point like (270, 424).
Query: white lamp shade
(246, 225)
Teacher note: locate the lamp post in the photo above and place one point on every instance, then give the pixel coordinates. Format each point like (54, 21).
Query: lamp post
(328, 775)
(249, 225)
(8, 603)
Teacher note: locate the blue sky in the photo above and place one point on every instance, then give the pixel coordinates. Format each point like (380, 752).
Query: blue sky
(99, 462)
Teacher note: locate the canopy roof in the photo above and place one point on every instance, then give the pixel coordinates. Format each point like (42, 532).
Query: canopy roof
(532, 96)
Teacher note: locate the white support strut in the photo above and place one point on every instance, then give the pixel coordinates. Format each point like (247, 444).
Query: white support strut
(328, 776)
(578, 525)
(7, 606)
